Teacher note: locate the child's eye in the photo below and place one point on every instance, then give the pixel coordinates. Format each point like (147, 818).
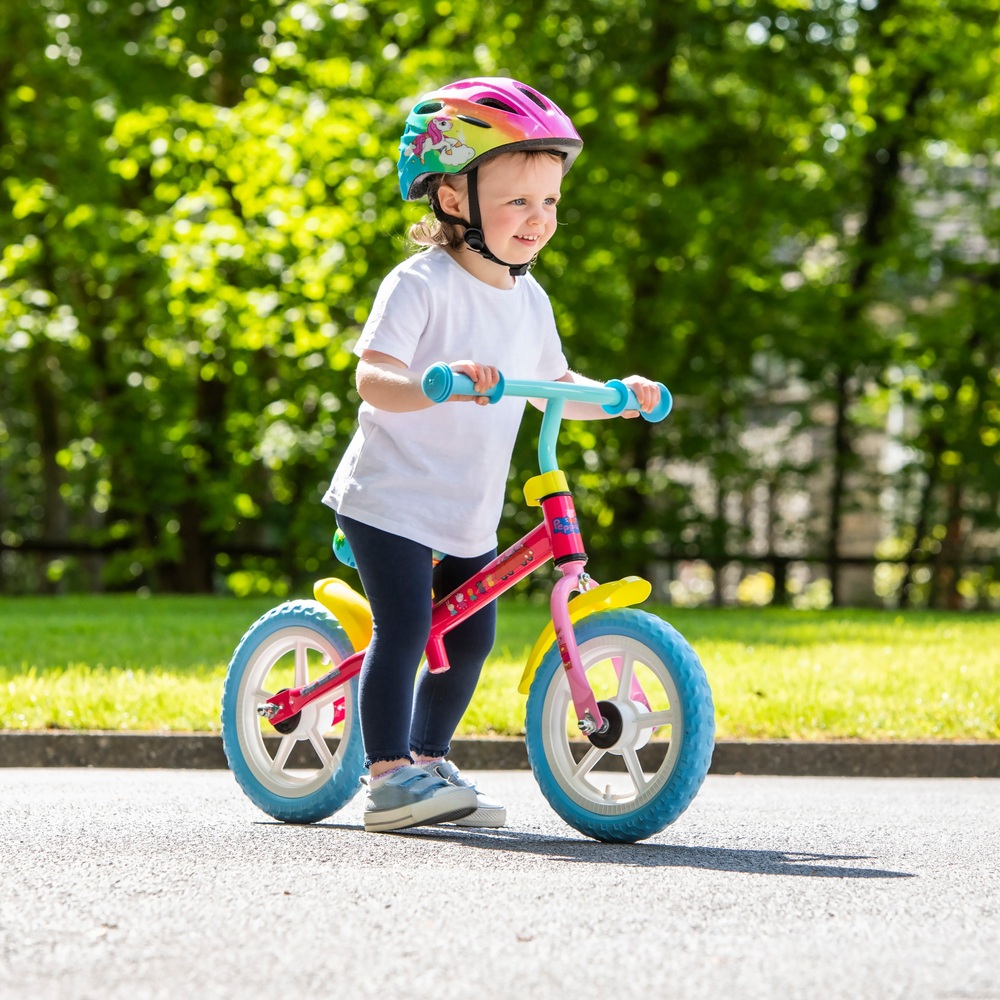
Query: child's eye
(518, 201)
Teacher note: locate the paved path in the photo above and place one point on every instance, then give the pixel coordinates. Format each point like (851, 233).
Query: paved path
(169, 884)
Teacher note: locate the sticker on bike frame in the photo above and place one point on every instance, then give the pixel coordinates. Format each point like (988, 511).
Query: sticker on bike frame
(566, 526)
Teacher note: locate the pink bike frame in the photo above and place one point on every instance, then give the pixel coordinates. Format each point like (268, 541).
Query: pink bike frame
(557, 537)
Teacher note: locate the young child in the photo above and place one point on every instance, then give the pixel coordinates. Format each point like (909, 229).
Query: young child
(490, 155)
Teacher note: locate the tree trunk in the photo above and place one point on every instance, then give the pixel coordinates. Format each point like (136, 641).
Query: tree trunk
(55, 519)
(915, 556)
(842, 453)
(945, 592)
(883, 168)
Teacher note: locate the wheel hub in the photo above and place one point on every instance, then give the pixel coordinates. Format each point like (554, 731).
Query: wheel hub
(622, 726)
(314, 718)
(612, 731)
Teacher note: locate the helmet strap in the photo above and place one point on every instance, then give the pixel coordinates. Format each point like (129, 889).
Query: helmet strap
(473, 234)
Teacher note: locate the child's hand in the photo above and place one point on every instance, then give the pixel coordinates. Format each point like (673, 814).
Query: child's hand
(485, 377)
(647, 394)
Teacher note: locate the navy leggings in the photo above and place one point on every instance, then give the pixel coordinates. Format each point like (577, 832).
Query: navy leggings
(399, 576)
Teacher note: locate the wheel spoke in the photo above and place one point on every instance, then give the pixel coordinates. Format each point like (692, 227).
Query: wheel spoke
(322, 750)
(652, 720)
(284, 752)
(625, 668)
(634, 769)
(301, 664)
(588, 763)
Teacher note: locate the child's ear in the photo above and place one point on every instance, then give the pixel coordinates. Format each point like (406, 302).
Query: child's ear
(450, 200)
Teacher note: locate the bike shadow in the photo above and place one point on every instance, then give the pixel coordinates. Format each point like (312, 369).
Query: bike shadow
(798, 864)
(645, 855)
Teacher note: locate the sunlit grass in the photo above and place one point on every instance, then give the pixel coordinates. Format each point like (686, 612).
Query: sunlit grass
(126, 663)
(117, 663)
(782, 674)
(853, 674)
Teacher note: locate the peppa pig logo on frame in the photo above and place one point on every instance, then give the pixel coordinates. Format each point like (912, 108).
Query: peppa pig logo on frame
(566, 526)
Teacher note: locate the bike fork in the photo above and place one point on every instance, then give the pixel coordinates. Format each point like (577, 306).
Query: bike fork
(574, 580)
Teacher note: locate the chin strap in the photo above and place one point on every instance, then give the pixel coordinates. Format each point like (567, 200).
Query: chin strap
(473, 234)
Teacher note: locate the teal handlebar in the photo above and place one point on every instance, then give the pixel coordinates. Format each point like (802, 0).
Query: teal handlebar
(439, 383)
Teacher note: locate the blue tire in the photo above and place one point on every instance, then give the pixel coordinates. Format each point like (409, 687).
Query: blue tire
(296, 777)
(659, 749)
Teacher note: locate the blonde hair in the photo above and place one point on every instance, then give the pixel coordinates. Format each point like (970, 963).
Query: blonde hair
(431, 231)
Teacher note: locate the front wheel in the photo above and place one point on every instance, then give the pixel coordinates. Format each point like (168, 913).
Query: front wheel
(632, 781)
(311, 768)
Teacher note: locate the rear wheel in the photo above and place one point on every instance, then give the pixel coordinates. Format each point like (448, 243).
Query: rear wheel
(310, 768)
(638, 777)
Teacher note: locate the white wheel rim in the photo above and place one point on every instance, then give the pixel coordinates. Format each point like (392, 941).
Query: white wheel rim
(270, 765)
(585, 782)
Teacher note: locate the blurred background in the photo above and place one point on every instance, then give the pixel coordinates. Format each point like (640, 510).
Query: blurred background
(789, 213)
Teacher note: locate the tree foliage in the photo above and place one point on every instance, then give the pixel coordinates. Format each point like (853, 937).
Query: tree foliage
(785, 211)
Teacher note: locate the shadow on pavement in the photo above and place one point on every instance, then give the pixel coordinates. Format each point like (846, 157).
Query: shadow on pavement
(644, 855)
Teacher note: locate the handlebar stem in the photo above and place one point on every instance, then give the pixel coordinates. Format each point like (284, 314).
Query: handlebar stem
(548, 436)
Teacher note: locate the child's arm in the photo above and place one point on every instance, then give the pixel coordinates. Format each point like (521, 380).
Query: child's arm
(647, 394)
(387, 384)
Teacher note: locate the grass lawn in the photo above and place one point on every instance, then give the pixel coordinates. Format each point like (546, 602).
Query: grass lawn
(158, 663)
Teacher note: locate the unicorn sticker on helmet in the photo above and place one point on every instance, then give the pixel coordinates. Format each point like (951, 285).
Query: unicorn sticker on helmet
(450, 149)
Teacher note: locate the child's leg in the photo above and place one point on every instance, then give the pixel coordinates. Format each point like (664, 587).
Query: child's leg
(441, 699)
(397, 575)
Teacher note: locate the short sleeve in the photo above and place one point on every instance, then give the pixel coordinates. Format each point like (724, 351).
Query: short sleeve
(552, 363)
(398, 318)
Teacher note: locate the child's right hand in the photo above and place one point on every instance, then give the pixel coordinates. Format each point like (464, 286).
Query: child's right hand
(484, 376)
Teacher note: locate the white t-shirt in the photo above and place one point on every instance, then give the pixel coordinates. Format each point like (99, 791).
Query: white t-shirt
(438, 476)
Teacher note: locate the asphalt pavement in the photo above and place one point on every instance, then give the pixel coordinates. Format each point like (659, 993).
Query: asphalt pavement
(144, 884)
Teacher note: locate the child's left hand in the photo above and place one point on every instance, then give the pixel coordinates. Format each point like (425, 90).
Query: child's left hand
(484, 377)
(647, 394)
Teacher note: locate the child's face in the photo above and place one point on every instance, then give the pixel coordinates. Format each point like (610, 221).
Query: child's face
(517, 199)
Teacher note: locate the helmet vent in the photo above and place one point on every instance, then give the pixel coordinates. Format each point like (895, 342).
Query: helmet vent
(534, 97)
(473, 121)
(493, 102)
(429, 108)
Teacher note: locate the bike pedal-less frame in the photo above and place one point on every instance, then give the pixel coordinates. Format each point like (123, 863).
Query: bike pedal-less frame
(617, 676)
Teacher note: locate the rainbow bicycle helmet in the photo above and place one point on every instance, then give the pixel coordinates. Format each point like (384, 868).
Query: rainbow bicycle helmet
(455, 128)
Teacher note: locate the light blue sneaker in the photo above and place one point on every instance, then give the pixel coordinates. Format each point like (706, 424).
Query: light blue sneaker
(413, 797)
(488, 813)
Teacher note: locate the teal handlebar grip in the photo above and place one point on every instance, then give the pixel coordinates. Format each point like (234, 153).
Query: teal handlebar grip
(627, 401)
(439, 383)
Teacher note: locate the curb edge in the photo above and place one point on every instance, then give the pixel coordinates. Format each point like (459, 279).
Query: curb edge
(203, 751)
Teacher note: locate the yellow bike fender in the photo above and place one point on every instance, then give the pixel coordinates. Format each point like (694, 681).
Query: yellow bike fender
(349, 608)
(619, 594)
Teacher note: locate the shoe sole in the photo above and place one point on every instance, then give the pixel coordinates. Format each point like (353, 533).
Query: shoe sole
(445, 807)
(487, 818)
